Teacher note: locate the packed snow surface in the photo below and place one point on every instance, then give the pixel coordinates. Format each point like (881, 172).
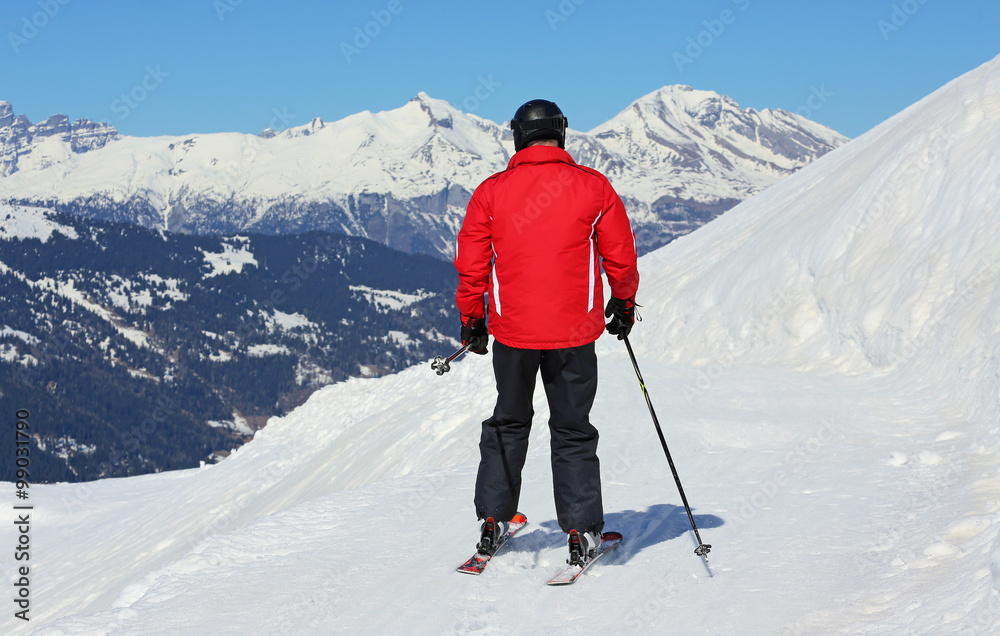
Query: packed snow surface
(824, 360)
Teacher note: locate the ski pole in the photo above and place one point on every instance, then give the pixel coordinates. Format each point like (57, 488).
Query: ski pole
(443, 365)
(703, 548)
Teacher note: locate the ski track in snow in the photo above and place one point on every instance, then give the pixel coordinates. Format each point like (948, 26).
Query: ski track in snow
(823, 360)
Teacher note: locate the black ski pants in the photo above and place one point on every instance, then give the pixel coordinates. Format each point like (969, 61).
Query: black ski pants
(569, 377)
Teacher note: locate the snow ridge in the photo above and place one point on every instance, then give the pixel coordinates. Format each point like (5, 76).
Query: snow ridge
(873, 254)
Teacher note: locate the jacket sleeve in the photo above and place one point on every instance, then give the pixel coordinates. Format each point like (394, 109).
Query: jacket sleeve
(616, 245)
(473, 255)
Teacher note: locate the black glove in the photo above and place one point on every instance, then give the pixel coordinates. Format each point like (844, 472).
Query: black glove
(474, 334)
(622, 314)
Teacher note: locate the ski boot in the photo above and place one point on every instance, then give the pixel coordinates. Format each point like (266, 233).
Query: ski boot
(490, 533)
(582, 547)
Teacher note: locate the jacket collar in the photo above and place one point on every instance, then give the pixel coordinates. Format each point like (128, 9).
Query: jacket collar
(540, 154)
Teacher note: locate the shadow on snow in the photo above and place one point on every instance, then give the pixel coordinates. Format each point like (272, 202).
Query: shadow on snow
(642, 529)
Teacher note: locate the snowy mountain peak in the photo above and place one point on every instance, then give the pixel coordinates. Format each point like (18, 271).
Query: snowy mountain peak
(403, 176)
(681, 143)
(682, 98)
(54, 125)
(681, 114)
(679, 106)
(432, 103)
(6, 114)
(24, 145)
(440, 112)
(315, 125)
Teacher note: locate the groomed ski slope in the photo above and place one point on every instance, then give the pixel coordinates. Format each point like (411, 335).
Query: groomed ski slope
(825, 362)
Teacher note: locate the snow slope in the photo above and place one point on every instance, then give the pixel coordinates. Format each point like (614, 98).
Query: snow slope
(824, 362)
(883, 259)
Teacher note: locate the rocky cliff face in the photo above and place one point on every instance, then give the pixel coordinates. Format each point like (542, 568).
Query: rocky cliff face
(21, 141)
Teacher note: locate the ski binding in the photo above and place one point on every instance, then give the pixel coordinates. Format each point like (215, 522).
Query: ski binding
(477, 563)
(609, 541)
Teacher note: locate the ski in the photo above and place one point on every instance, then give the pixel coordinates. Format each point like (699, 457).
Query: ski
(477, 563)
(609, 540)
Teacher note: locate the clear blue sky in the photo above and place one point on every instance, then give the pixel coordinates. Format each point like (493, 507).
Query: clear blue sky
(187, 66)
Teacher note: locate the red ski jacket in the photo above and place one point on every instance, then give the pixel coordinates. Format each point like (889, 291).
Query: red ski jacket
(533, 237)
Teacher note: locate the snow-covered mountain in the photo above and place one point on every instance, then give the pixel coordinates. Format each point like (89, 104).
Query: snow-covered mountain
(103, 322)
(678, 156)
(824, 362)
(31, 147)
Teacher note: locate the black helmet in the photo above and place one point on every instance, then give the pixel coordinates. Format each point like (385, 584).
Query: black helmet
(538, 119)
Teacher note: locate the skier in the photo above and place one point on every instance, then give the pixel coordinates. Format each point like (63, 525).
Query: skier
(533, 238)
